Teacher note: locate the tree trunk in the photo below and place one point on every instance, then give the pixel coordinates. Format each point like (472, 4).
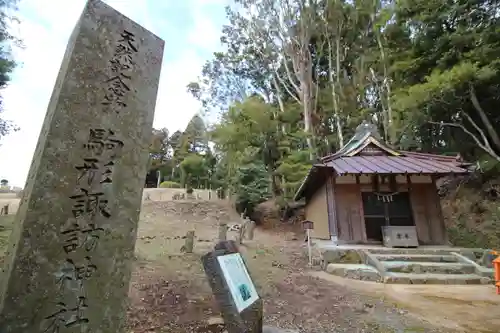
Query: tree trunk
(336, 107)
(305, 87)
(386, 85)
(492, 133)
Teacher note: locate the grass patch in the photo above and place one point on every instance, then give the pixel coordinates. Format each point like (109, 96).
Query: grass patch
(6, 222)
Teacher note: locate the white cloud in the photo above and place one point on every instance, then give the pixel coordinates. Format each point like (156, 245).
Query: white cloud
(205, 33)
(45, 28)
(175, 106)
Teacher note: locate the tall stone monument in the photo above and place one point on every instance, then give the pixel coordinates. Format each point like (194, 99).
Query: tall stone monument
(69, 258)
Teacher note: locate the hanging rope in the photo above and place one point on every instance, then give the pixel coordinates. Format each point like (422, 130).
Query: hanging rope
(385, 197)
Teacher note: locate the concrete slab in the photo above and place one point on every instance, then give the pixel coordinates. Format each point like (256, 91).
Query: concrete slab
(417, 257)
(410, 278)
(328, 245)
(354, 271)
(428, 267)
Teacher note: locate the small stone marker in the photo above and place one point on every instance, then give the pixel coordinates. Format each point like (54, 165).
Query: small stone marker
(250, 229)
(222, 232)
(308, 226)
(68, 263)
(234, 290)
(4, 210)
(241, 233)
(188, 242)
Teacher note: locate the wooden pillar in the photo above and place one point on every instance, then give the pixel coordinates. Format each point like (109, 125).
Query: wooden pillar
(331, 206)
(439, 212)
(361, 210)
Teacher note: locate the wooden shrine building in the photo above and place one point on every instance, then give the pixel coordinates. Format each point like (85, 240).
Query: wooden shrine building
(366, 188)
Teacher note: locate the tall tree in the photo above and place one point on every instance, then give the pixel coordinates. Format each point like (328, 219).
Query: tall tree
(451, 74)
(7, 63)
(298, 76)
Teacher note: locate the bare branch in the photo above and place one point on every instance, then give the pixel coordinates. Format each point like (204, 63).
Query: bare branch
(478, 129)
(289, 74)
(483, 145)
(487, 123)
(283, 83)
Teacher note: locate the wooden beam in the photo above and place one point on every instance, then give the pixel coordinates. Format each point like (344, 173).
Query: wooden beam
(375, 183)
(393, 186)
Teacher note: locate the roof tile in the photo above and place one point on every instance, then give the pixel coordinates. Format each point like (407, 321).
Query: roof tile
(391, 165)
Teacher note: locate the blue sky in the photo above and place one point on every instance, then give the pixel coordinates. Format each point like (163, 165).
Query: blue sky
(190, 28)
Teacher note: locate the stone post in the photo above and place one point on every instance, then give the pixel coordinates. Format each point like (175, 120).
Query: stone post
(5, 210)
(68, 264)
(250, 228)
(222, 232)
(189, 242)
(241, 233)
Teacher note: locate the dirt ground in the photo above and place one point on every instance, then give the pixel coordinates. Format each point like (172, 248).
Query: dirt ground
(169, 291)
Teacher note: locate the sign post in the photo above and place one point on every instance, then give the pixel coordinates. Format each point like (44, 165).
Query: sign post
(308, 226)
(239, 303)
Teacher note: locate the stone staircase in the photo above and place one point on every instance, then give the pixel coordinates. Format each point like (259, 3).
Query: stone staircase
(411, 266)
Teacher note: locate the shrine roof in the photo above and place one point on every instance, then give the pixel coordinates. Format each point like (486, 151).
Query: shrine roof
(366, 153)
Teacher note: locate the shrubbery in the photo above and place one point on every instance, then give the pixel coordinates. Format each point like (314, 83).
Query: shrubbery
(472, 220)
(253, 187)
(169, 184)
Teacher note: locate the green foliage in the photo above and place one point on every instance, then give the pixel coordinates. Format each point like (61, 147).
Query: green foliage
(7, 63)
(170, 184)
(426, 73)
(184, 157)
(253, 186)
(294, 168)
(194, 170)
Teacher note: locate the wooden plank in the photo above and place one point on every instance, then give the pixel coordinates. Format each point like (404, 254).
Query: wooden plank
(420, 215)
(342, 213)
(359, 216)
(350, 218)
(439, 210)
(332, 207)
(435, 218)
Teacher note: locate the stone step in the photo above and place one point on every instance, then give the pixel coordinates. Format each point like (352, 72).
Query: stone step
(417, 257)
(408, 278)
(412, 251)
(428, 267)
(354, 271)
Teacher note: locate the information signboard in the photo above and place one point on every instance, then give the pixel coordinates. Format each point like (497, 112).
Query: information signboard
(238, 280)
